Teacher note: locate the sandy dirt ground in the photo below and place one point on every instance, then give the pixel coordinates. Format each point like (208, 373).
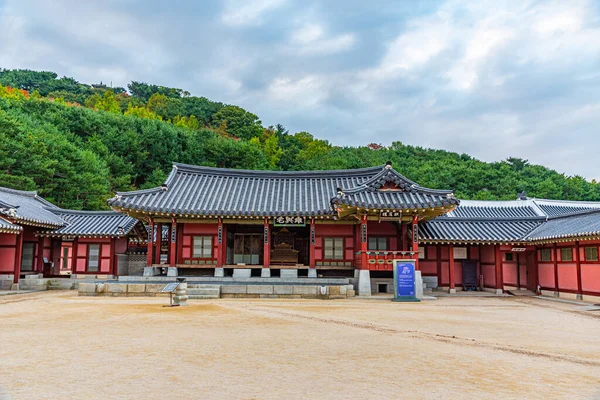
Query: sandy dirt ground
(57, 345)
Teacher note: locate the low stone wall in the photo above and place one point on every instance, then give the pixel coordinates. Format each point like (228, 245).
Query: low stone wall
(227, 291)
(287, 291)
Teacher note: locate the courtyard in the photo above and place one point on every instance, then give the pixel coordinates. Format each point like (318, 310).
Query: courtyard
(58, 345)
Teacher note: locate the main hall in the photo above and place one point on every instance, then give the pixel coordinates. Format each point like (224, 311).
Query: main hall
(226, 223)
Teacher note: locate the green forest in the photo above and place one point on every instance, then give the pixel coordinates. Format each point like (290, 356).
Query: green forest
(76, 144)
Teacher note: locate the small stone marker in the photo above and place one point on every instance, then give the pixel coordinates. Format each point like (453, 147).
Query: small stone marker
(180, 298)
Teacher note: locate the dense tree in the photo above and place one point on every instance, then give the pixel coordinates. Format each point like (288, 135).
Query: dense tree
(78, 143)
(239, 122)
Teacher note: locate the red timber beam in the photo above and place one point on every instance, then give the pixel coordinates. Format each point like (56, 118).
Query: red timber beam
(267, 244)
(578, 260)
(158, 244)
(451, 267)
(498, 265)
(220, 244)
(555, 260)
(313, 243)
(18, 257)
(363, 242)
(415, 240)
(150, 242)
(173, 243)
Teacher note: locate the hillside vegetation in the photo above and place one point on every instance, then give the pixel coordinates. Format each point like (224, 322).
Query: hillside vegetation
(77, 144)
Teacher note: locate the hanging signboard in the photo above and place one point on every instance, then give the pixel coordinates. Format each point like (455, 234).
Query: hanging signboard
(289, 221)
(404, 281)
(390, 215)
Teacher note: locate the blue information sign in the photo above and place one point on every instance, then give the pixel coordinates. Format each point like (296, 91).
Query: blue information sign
(404, 280)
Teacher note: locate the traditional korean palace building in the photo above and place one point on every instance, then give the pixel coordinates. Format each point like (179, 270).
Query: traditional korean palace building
(349, 223)
(36, 237)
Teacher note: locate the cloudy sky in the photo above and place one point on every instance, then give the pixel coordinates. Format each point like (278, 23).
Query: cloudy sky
(493, 79)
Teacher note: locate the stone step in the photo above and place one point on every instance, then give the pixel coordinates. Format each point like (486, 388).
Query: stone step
(204, 291)
(203, 296)
(202, 286)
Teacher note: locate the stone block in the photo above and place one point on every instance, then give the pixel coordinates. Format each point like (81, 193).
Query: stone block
(288, 273)
(87, 287)
(259, 289)
(116, 288)
(351, 293)
(227, 296)
(234, 289)
(154, 287)
(243, 273)
(247, 296)
(290, 296)
(364, 282)
(343, 290)
(219, 272)
(136, 288)
(269, 296)
(283, 289)
(265, 273)
(102, 276)
(334, 291)
(172, 271)
(452, 291)
(101, 288)
(336, 297)
(312, 272)
(311, 296)
(306, 290)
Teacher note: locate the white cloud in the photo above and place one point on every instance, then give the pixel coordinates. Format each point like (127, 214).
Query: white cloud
(312, 39)
(248, 12)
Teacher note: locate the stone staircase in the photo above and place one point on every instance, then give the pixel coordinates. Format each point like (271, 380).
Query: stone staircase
(202, 291)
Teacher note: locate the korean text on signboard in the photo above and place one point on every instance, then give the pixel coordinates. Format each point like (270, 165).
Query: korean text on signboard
(289, 221)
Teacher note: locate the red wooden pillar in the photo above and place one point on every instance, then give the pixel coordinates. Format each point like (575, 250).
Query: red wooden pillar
(578, 260)
(451, 266)
(113, 257)
(555, 260)
(158, 244)
(313, 243)
(415, 240)
(74, 252)
(173, 243)
(438, 260)
(18, 257)
(40, 255)
(498, 262)
(150, 242)
(267, 244)
(364, 240)
(403, 241)
(220, 244)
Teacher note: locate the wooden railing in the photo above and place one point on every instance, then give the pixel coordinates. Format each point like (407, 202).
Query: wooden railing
(383, 260)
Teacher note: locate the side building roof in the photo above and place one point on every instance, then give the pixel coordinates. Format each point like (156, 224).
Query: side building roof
(204, 191)
(516, 221)
(93, 224)
(8, 227)
(27, 208)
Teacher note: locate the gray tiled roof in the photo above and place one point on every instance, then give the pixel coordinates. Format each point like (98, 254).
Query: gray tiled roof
(93, 223)
(194, 190)
(586, 223)
(494, 209)
(478, 230)
(27, 208)
(7, 227)
(411, 195)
